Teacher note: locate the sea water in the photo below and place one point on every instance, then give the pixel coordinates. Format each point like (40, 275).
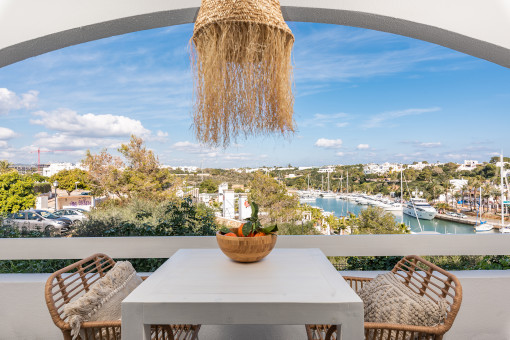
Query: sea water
(342, 207)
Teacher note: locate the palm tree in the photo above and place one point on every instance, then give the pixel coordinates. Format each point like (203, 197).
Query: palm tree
(464, 188)
(486, 194)
(456, 196)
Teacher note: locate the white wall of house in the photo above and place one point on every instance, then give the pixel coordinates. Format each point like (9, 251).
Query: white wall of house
(483, 313)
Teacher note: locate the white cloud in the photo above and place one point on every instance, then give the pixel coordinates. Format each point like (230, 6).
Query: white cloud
(62, 141)
(379, 119)
(11, 101)
(161, 134)
(3, 144)
(362, 146)
(430, 144)
(213, 155)
(341, 125)
(6, 133)
(328, 143)
(321, 120)
(90, 125)
(340, 154)
(6, 155)
(354, 61)
(190, 147)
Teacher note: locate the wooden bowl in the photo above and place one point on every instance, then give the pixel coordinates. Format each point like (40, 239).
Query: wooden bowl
(246, 249)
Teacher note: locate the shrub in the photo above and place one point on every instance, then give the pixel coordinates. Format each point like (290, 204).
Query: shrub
(42, 188)
(149, 218)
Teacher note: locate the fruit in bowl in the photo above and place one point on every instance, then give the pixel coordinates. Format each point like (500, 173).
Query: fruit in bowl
(250, 242)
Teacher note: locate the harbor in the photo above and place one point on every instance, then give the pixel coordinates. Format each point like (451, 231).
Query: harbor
(440, 224)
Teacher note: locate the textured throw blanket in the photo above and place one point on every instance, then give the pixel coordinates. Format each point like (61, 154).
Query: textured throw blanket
(387, 300)
(103, 301)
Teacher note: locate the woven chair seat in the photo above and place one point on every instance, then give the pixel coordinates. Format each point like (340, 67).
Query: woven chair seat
(422, 277)
(71, 282)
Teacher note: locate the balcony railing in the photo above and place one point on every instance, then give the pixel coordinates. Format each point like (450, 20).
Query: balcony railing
(483, 315)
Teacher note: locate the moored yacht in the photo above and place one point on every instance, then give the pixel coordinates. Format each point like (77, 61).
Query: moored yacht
(394, 207)
(483, 226)
(328, 194)
(418, 207)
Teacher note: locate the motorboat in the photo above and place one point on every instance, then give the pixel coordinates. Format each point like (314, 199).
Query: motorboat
(328, 194)
(505, 230)
(419, 208)
(394, 207)
(483, 226)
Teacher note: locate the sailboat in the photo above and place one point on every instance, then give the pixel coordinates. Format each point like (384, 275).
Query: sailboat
(481, 226)
(504, 229)
(328, 194)
(397, 206)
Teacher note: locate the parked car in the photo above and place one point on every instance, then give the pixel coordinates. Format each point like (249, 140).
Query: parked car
(74, 214)
(85, 193)
(40, 220)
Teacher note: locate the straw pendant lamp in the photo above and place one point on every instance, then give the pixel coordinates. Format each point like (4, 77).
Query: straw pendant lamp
(241, 61)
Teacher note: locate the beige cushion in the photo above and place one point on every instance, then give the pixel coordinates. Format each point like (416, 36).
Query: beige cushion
(387, 300)
(103, 301)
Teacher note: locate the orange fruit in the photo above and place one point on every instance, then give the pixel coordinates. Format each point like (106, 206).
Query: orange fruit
(240, 231)
(260, 234)
(231, 234)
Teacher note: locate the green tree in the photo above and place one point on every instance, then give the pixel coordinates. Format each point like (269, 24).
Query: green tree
(374, 220)
(272, 198)
(39, 178)
(67, 180)
(209, 186)
(139, 176)
(4, 166)
(16, 192)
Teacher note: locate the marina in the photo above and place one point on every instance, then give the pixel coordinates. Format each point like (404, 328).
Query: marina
(342, 207)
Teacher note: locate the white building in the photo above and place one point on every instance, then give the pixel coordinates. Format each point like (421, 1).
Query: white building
(182, 167)
(457, 184)
(418, 166)
(380, 169)
(54, 168)
(327, 169)
(468, 165)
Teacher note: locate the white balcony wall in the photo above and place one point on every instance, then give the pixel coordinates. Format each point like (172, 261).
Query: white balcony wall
(483, 314)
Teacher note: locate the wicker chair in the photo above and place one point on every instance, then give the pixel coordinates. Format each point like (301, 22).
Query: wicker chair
(422, 277)
(71, 282)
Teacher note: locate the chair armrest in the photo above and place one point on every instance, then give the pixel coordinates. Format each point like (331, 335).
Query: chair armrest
(357, 283)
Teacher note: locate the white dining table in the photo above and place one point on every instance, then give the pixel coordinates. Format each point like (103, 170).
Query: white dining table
(203, 286)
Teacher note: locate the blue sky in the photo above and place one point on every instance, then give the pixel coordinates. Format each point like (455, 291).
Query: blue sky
(361, 96)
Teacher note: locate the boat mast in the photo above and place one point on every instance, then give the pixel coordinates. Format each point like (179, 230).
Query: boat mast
(347, 182)
(401, 197)
(502, 187)
(341, 187)
(478, 207)
(328, 181)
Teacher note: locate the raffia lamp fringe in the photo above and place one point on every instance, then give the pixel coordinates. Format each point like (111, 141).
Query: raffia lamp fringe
(241, 60)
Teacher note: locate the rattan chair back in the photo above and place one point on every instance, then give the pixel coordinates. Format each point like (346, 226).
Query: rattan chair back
(425, 279)
(73, 281)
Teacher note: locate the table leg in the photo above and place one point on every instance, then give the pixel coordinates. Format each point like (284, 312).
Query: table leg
(351, 329)
(133, 327)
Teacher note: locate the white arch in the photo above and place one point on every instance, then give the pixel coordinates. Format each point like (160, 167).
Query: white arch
(476, 27)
